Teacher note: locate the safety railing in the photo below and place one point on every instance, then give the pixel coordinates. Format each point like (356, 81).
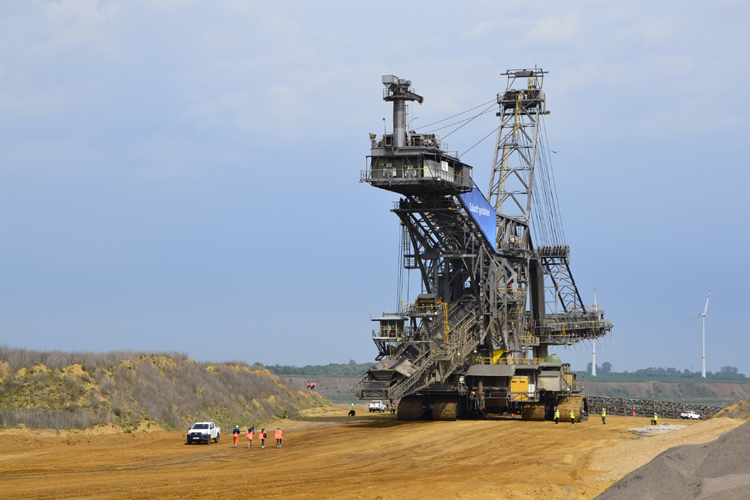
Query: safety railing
(484, 360)
(412, 174)
(569, 328)
(513, 291)
(527, 339)
(412, 140)
(422, 310)
(520, 361)
(404, 335)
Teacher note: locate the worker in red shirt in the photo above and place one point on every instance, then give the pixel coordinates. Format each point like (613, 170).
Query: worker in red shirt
(279, 437)
(250, 433)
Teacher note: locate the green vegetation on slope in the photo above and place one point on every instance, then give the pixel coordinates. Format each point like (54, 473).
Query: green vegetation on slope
(165, 387)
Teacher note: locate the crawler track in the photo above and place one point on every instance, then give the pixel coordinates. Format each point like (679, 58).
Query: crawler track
(445, 409)
(410, 408)
(533, 411)
(576, 404)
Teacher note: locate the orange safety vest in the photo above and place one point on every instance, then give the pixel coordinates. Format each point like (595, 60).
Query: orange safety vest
(250, 435)
(263, 434)
(279, 435)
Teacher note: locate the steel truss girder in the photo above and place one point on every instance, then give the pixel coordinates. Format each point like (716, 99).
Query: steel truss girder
(449, 250)
(561, 286)
(516, 116)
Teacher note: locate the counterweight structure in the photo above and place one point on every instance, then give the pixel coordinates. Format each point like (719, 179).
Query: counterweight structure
(476, 340)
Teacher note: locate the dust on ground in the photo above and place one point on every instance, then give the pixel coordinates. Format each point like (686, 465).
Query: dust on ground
(653, 430)
(326, 454)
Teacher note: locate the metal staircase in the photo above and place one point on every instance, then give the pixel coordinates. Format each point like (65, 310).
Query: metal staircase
(466, 331)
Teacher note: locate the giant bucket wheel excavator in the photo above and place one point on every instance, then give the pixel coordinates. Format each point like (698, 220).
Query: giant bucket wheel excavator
(496, 286)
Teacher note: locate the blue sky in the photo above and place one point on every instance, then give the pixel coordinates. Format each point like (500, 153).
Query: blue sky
(184, 175)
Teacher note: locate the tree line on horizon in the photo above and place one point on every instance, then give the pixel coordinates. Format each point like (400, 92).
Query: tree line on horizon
(350, 369)
(726, 372)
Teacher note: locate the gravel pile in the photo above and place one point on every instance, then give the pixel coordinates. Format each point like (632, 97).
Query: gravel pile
(623, 458)
(719, 469)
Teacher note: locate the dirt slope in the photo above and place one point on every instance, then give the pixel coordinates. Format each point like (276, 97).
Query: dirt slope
(327, 455)
(171, 391)
(740, 410)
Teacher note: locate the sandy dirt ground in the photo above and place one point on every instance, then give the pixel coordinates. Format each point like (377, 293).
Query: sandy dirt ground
(328, 455)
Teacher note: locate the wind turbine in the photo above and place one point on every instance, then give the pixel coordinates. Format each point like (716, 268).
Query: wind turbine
(704, 315)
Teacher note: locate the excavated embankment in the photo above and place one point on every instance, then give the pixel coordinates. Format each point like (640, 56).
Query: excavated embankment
(172, 392)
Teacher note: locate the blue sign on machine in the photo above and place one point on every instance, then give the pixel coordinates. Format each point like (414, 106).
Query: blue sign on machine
(482, 212)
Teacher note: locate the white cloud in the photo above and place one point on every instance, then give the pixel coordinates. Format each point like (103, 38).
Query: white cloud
(233, 110)
(481, 30)
(527, 31)
(71, 23)
(40, 105)
(646, 31)
(555, 30)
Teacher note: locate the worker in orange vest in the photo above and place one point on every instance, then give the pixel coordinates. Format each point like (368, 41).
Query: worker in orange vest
(262, 437)
(236, 433)
(279, 437)
(250, 433)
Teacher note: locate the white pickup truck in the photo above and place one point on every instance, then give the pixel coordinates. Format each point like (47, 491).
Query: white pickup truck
(690, 415)
(203, 432)
(376, 406)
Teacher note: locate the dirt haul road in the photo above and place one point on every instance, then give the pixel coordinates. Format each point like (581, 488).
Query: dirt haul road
(327, 455)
